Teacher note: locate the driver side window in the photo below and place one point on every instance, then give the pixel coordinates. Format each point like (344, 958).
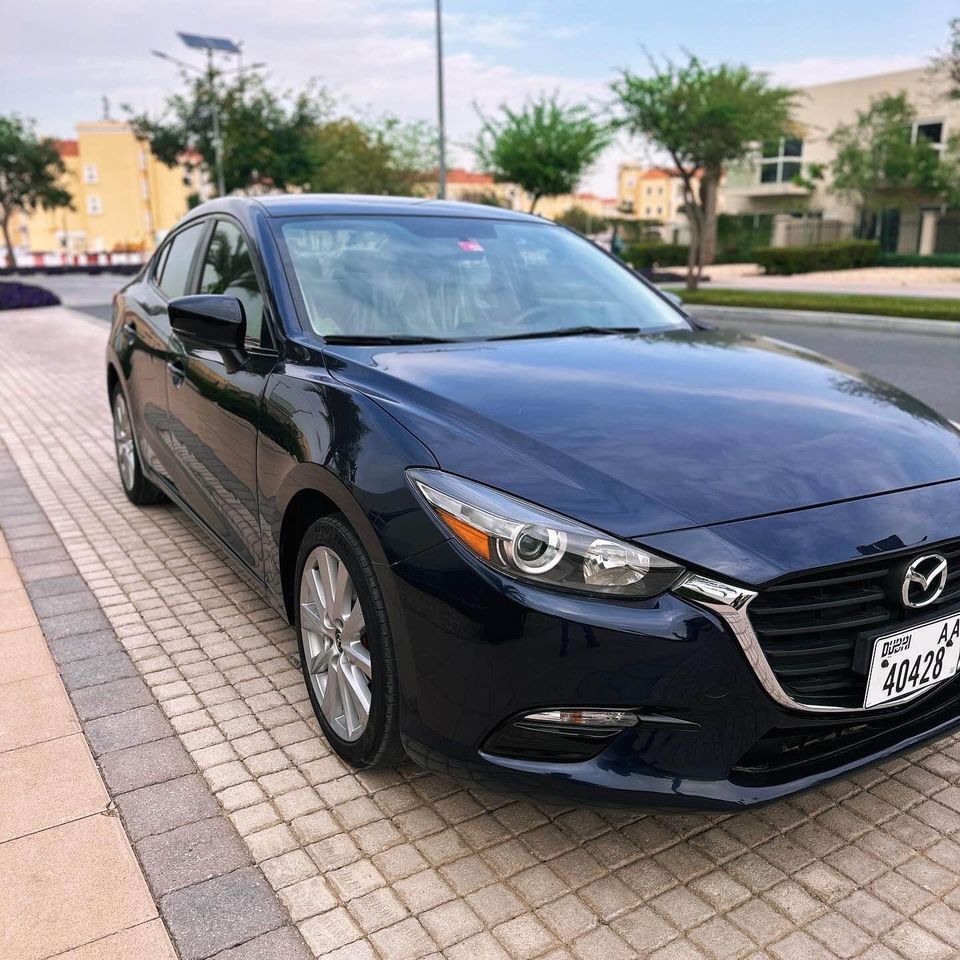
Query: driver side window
(228, 269)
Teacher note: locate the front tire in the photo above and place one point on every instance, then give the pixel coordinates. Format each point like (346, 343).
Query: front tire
(346, 647)
(136, 486)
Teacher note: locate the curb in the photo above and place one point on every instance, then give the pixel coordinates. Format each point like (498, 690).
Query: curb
(862, 321)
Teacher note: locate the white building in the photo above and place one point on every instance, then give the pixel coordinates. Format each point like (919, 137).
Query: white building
(764, 185)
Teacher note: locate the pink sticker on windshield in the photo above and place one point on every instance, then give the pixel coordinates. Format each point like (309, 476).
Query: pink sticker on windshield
(471, 246)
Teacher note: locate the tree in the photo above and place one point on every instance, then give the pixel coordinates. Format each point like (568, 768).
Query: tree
(704, 118)
(545, 148)
(487, 198)
(266, 135)
(385, 156)
(31, 172)
(947, 62)
(581, 220)
(880, 162)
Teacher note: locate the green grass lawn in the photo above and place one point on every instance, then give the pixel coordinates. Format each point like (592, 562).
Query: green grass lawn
(920, 308)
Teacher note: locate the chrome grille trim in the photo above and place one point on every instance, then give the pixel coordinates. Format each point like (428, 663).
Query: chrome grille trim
(730, 603)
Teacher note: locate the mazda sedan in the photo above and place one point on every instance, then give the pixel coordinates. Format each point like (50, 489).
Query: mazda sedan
(534, 525)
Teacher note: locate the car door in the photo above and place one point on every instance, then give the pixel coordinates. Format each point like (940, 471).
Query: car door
(213, 405)
(144, 346)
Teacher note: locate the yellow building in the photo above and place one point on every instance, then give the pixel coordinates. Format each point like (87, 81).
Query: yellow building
(124, 199)
(649, 193)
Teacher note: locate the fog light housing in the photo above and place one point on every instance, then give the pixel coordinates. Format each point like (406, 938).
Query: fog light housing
(585, 718)
(560, 735)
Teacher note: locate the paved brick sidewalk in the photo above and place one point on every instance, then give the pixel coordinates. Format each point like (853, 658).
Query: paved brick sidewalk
(404, 864)
(71, 885)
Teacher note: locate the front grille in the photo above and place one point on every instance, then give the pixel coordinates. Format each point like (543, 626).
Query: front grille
(781, 755)
(809, 624)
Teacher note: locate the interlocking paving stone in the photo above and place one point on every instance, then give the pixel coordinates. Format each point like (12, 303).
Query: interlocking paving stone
(164, 806)
(209, 917)
(109, 698)
(191, 853)
(145, 764)
(72, 624)
(401, 863)
(57, 587)
(52, 606)
(120, 730)
(92, 671)
(282, 944)
(86, 645)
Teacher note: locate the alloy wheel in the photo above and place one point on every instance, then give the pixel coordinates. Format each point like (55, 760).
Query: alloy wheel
(123, 438)
(335, 643)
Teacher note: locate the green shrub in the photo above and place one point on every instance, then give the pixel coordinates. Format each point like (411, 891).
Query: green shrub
(917, 260)
(641, 255)
(738, 235)
(843, 255)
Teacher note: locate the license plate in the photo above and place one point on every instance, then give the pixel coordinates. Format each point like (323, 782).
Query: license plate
(904, 663)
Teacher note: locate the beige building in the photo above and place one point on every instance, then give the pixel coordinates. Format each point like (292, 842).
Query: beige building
(764, 184)
(124, 199)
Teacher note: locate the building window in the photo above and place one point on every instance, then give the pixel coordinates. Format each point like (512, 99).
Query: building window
(630, 183)
(90, 173)
(929, 130)
(94, 206)
(781, 160)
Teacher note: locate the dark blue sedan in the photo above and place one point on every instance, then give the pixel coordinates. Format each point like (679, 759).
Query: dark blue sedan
(535, 526)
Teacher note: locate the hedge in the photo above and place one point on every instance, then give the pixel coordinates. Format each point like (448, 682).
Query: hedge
(843, 255)
(15, 296)
(918, 260)
(665, 254)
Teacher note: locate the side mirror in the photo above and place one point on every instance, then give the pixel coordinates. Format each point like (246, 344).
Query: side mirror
(212, 320)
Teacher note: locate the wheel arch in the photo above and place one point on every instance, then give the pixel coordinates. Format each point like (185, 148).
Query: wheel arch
(310, 492)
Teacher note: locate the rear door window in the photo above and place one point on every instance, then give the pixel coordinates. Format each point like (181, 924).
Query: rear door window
(176, 265)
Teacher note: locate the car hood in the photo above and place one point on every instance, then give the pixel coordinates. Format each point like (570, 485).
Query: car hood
(643, 434)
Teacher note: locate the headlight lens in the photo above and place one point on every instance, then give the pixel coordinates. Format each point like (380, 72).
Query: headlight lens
(529, 542)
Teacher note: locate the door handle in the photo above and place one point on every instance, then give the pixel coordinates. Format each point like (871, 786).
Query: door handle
(176, 371)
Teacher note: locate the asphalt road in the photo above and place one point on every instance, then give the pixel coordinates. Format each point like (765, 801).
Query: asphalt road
(926, 366)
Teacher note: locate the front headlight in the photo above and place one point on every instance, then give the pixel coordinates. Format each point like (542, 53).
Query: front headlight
(531, 543)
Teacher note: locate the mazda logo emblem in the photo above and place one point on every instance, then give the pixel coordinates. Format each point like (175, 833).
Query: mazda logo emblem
(924, 581)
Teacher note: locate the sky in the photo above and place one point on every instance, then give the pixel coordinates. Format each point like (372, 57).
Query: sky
(58, 58)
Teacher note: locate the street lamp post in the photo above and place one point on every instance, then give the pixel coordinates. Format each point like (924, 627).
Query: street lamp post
(442, 170)
(210, 44)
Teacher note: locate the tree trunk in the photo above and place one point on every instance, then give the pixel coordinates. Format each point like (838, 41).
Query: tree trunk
(536, 198)
(5, 223)
(708, 202)
(695, 256)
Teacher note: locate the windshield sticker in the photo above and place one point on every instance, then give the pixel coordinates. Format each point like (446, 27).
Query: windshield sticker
(470, 246)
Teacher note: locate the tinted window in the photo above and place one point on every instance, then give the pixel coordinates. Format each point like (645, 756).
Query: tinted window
(457, 278)
(176, 268)
(228, 269)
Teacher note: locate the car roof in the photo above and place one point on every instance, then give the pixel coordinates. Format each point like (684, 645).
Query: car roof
(317, 204)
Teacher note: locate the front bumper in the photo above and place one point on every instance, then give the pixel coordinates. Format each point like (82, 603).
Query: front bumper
(481, 649)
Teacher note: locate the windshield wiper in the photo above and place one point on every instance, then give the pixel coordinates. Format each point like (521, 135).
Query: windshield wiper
(565, 332)
(376, 338)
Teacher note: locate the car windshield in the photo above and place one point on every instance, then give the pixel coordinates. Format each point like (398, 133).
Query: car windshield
(459, 278)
